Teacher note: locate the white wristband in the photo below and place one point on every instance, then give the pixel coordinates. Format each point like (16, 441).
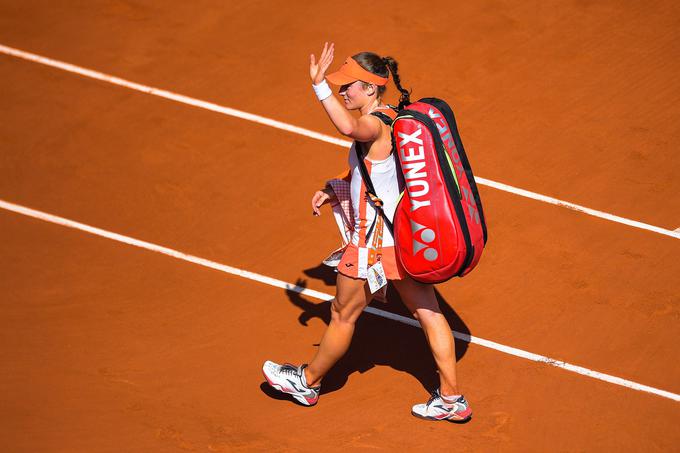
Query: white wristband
(322, 90)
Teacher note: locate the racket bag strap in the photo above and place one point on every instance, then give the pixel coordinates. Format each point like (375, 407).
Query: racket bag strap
(370, 192)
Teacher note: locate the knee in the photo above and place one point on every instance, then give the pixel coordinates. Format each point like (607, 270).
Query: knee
(344, 311)
(426, 316)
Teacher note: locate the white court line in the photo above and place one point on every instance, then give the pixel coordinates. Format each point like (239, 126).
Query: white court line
(323, 296)
(308, 133)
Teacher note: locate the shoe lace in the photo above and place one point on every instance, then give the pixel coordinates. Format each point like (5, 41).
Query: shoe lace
(435, 395)
(289, 369)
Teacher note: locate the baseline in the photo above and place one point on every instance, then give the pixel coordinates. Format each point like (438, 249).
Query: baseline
(18, 209)
(309, 133)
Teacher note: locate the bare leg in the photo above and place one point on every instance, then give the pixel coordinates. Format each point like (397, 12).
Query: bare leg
(420, 299)
(350, 300)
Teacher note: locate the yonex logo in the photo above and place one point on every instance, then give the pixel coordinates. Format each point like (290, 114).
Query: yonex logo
(427, 236)
(443, 128)
(410, 138)
(447, 138)
(413, 164)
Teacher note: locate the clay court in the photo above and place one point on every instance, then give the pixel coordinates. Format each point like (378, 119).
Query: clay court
(144, 326)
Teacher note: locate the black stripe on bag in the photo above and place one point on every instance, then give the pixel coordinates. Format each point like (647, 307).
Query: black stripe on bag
(451, 120)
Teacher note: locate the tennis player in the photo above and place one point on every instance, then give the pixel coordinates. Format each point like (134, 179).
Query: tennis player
(370, 253)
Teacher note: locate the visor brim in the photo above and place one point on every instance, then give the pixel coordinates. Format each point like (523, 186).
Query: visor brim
(338, 78)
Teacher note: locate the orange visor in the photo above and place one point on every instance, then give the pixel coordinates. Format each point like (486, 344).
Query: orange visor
(351, 71)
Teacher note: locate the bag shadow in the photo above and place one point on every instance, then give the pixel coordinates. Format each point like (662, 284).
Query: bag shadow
(379, 341)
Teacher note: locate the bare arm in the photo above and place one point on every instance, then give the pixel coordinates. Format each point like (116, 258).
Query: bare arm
(364, 129)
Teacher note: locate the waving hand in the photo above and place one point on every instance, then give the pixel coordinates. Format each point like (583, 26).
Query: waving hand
(317, 71)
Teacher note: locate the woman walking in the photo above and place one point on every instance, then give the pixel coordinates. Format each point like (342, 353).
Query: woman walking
(362, 80)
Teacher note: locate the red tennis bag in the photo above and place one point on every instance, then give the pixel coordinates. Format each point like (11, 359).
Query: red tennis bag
(439, 226)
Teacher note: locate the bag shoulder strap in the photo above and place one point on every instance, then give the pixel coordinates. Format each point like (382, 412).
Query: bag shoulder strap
(387, 116)
(384, 117)
(370, 191)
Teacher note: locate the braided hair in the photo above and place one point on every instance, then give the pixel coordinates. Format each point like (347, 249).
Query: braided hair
(384, 66)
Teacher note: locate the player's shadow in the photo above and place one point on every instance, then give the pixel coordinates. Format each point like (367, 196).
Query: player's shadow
(377, 340)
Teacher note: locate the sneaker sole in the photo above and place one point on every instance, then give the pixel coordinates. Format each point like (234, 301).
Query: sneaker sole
(299, 398)
(433, 419)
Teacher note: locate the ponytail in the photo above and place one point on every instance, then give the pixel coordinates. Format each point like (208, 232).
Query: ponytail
(383, 67)
(393, 66)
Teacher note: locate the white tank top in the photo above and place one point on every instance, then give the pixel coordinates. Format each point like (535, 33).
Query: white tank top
(387, 182)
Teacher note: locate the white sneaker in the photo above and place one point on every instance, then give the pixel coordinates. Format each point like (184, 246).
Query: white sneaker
(290, 379)
(437, 409)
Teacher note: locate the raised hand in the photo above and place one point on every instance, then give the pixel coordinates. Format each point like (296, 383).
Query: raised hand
(317, 71)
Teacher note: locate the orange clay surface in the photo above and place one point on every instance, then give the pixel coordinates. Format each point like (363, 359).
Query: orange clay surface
(109, 348)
